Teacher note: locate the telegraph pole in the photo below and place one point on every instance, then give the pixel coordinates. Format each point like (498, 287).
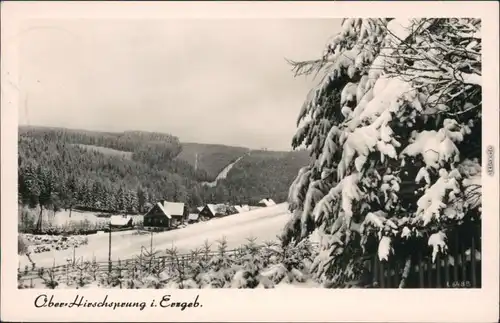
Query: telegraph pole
(151, 242)
(109, 250)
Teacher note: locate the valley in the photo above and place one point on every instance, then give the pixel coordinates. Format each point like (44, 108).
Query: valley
(263, 224)
(130, 171)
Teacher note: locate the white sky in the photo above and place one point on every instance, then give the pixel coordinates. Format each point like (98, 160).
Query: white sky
(207, 81)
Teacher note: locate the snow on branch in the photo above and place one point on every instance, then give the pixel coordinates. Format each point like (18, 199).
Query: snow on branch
(393, 117)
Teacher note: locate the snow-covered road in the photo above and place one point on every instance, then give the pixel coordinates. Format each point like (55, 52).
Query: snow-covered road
(263, 224)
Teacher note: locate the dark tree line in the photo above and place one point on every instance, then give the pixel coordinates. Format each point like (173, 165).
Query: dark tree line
(131, 141)
(55, 173)
(261, 175)
(56, 170)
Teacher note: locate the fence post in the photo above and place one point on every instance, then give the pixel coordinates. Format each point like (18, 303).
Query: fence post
(109, 249)
(463, 257)
(151, 242)
(420, 270)
(120, 272)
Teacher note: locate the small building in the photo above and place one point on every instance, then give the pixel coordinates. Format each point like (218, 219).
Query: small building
(166, 214)
(242, 208)
(178, 211)
(193, 217)
(266, 202)
(121, 221)
(216, 210)
(157, 216)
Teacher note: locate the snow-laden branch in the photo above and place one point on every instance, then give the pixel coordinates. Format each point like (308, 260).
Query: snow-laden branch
(386, 127)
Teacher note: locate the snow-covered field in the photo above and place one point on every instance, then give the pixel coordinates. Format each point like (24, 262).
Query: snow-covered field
(263, 224)
(62, 217)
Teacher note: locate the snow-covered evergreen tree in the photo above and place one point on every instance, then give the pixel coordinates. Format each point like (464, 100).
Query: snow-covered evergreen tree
(251, 263)
(394, 129)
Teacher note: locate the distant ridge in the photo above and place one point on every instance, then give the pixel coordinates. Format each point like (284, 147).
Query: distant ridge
(143, 164)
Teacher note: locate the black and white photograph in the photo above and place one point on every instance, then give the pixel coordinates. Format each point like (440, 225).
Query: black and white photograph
(169, 156)
(259, 153)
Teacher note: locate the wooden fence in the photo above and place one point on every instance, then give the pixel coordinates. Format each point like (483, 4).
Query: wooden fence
(132, 267)
(459, 268)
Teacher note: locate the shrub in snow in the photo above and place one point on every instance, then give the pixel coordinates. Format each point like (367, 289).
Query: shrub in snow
(251, 263)
(183, 272)
(49, 277)
(250, 266)
(185, 284)
(270, 253)
(265, 282)
(22, 247)
(279, 273)
(394, 131)
(292, 265)
(151, 281)
(44, 243)
(117, 276)
(246, 277)
(221, 268)
(23, 285)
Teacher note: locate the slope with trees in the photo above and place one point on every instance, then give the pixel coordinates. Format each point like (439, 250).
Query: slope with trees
(55, 171)
(263, 174)
(394, 129)
(128, 172)
(209, 157)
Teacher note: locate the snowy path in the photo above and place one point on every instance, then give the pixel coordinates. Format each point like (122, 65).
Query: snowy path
(223, 174)
(263, 224)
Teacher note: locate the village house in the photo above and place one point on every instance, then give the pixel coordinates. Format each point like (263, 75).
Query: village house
(193, 218)
(242, 208)
(216, 210)
(166, 215)
(121, 221)
(266, 202)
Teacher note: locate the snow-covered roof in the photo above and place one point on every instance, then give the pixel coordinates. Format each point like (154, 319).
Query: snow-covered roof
(160, 205)
(199, 208)
(174, 208)
(267, 202)
(213, 208)
(193, 216)
(218, 208)
(242, 208)
(120, 219)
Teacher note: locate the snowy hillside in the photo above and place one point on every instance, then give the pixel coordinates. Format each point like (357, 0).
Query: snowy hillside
(263, 224)
(223, 174)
